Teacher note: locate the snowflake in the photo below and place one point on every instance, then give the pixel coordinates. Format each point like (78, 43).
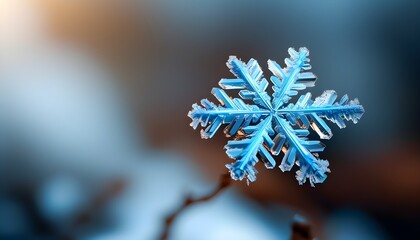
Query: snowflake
(270, 126)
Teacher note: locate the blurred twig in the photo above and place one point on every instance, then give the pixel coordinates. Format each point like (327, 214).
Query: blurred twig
(224, 182)
(86, 215)
(111, 191)
(301, 231)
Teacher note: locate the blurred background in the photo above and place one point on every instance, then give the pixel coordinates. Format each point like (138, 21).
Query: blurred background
(95, 140)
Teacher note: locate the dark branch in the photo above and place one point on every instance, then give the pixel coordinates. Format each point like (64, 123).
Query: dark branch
(301, 231)
(224, 182)
(92, 210)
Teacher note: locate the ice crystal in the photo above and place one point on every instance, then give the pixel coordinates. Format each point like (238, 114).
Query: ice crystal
(268, 125)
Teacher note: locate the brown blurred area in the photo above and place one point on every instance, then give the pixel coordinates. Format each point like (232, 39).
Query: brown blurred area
(120, 35)
(152, 65)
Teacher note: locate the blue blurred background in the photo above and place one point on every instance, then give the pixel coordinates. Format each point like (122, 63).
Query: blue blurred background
(95, 142)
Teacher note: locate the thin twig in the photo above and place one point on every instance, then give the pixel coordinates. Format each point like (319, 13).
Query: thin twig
(224, 182)
(301, 231)
(86, 215)
(111, 191)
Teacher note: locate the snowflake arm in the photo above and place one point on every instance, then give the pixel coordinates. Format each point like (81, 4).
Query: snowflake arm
(244, 151)
(250, 79)
(310, 113)
(233, 111)
(294, 77)
(296, 147)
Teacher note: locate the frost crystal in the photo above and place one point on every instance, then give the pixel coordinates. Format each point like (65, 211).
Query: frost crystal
(271, 125)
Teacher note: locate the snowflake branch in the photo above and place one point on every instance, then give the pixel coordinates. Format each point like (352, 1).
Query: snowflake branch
(309, 112)
(310, 167)
(288, 81)
(250, 78)
(233, 111)
(245, 151)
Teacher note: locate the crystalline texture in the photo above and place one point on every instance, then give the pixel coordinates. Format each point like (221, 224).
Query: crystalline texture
(264, 126)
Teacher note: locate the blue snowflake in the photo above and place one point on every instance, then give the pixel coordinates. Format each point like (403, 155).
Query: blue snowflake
(270, 126)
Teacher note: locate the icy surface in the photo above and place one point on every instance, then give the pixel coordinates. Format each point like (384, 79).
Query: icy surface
(263, 126)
